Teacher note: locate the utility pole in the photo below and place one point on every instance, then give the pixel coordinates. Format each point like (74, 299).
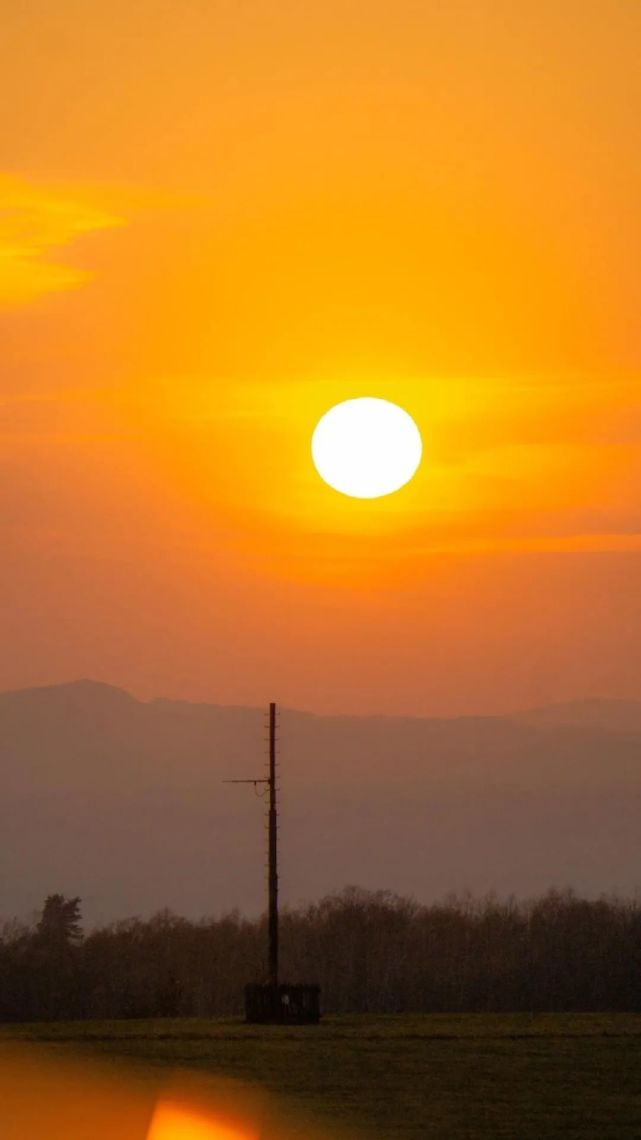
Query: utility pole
(272, 1002)
(272, 853)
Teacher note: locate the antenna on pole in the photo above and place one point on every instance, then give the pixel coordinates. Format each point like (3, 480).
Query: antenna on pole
(274, 1002)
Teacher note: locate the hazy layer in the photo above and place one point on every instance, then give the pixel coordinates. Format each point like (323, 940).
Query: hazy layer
(122, 802)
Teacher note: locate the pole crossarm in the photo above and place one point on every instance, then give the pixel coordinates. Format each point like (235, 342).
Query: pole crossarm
(245, 782)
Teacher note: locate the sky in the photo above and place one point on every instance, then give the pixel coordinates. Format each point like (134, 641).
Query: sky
(217, 221)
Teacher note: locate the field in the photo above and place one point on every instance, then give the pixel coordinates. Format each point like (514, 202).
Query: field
(467, 1077)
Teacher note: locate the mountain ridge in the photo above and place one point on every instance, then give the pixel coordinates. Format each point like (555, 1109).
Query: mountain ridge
(124, 803)
(581, 710)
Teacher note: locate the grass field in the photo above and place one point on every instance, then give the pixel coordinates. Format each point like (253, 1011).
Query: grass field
(467, 1077)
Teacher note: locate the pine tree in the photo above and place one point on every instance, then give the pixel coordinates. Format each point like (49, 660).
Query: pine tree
(60, 921)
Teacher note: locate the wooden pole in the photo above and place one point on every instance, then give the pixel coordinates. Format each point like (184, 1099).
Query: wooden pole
(273, 852)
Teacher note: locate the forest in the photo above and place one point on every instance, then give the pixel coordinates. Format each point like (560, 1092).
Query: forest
(370, 951)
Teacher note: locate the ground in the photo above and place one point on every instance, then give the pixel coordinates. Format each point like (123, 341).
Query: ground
(466, 1077)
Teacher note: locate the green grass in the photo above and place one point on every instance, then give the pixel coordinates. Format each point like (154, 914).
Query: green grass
(467, 1077)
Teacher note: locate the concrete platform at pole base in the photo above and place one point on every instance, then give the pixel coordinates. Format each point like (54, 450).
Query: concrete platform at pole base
(282, 1005)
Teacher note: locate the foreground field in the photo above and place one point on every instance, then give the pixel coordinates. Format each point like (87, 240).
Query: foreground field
(468, 1077)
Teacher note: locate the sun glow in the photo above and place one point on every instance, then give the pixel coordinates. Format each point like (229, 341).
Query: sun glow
(366, 448)
(173, 1122)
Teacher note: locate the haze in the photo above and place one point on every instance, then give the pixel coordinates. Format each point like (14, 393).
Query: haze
(123, 803)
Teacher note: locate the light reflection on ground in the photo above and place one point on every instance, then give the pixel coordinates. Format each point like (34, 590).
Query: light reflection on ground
(45, 1096)
(173, 1121)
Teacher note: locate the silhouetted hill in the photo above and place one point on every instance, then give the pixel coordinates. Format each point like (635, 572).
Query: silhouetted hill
(123, 802)
(618, 716)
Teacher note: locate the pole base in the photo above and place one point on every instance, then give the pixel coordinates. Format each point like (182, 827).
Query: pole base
(282, 1005)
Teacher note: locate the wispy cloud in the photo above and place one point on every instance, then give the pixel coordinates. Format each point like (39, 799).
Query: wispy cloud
(36, 222)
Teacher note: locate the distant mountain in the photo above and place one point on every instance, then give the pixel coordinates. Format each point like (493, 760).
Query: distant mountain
(123, 802)
(616, 716)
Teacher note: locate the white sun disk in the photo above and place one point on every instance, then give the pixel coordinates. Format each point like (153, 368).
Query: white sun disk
(366, 447)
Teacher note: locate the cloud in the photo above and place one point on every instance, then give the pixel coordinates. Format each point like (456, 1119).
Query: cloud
(36, 221)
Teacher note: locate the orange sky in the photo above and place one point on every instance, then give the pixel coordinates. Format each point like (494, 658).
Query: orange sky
(216, 220)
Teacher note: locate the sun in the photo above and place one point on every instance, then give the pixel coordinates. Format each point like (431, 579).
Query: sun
(366, 448)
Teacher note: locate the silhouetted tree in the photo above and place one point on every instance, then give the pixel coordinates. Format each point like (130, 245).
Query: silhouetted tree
(55, 950)
(369, 950)
(59, 924)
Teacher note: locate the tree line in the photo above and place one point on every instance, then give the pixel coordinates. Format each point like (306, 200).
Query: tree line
(370, 951)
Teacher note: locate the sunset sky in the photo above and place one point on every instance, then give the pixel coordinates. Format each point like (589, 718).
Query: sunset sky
(217, 219)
